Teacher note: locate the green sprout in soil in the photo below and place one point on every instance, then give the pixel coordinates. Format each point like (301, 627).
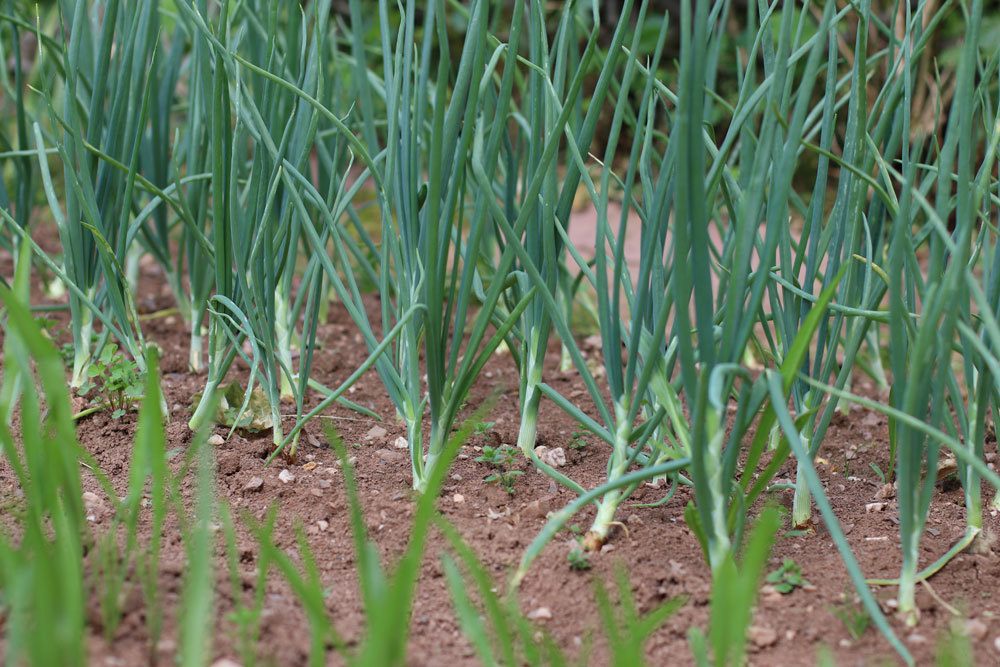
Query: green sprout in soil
(498, 457)
(578, 560)
(502, 459)
(787, 578)
(854, 617)
(114, 382)
(505, 479)
(578, 442)
(483, 428)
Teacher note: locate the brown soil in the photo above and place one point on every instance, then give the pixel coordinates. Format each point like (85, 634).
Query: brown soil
(662, 556)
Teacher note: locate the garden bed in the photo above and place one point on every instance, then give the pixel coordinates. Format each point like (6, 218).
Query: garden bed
(660, 555)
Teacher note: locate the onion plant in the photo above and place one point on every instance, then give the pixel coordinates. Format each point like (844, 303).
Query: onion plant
(522, 160)
(440, 113)
(262, 134)
(923, 357)
(676, 277)
(103, 116)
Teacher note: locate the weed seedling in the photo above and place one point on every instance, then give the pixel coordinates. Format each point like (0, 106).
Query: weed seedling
(787, 578)
(498, 457)
(502, 459)
(483, 428)
(114, 382)
(578, 442)
(854, 617)
(505, 478)
(578, 560)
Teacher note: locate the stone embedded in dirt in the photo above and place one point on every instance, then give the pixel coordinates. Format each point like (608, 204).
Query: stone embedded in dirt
(607, 548)
(391, 456)
(166, 646)
(555, 456)
(540, 614)
(770, 595)
(255, 484)
(94, 506)
(286, 476)
(539, 508)
(215, 440)
(887, 492)
(225, 662)
(996, 644)
(312, 465)
(375, 433)
(400, 443)
(316, 492)
(975, 629)
(493, 515)
(323, 525)
(633, 520)
(916, 638)
(762, 636)
(874, 507)
(458, 498)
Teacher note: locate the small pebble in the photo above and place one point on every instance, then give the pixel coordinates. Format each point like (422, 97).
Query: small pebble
(376, 432)
(542, 613)
(286, 476)
(390, 455)
(458, 498)
(887, 492)
(312, 465)
(770, 595)
(762, 636)
(555, 457)
(316, 492)
(322, 524)
(215, 440)
(975, 629)
(166, 645)
(401, 443)
(255, 484)
(225, 662)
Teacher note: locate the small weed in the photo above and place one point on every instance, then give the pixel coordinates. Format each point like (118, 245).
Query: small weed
(502, 458)
(483, 428)
(854, 617)
(578, 560)
(578, 442)
(498, 457)
(113, 382)
(787, 578)
(505, 478)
